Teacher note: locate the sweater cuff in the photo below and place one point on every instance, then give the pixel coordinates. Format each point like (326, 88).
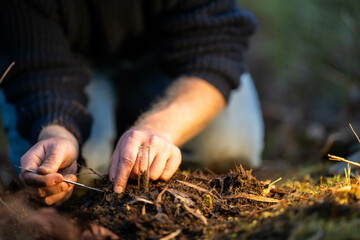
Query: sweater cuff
(63, 121)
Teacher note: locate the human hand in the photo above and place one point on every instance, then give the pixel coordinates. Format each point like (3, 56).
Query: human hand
(165, 157)
(54, 159)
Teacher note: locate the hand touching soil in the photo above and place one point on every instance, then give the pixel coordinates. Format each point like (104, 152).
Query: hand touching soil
(165, 157)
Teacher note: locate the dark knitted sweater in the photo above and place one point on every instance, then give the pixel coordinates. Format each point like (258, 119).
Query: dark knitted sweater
(55, 43)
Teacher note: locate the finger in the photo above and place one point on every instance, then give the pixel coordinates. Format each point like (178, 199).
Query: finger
(172, 164)
(53, 190)
(63, 196)
(114, 162)
(60, 197)
(158, 165)
(58, 188)
(37, 180)
(125, 165)
(53, 159)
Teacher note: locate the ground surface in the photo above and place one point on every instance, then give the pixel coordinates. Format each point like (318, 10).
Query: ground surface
(196, 205)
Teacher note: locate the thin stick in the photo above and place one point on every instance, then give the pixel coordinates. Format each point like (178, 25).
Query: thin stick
(340, 159)
(65, 180)
(159, 200)
(354, 132)
(200, 189)
(92, 171)
(7, 71)
(253, 197)
(172, 235)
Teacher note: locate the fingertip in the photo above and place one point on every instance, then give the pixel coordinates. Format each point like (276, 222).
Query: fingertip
(48, 201)
(71, 177)
(118, 189)
(58, 179)
(164, 178)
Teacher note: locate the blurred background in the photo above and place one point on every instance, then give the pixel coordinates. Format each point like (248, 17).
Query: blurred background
(304, 60)
(305, 63)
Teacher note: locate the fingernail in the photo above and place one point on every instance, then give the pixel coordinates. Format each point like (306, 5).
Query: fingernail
(58, 180)
(118, 189)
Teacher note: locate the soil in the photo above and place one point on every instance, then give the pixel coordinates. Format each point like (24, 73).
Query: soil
(194, 205)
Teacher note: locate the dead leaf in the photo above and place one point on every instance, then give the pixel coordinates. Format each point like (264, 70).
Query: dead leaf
(182, 197)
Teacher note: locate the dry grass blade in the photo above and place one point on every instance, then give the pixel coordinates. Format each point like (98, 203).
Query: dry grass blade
(196, 213)
(92, 171)
(194, 186)
(140, 199)
(340, 159)
(143, 210)
(172, 235)
(7, 71)
(159, 200)
(253, 197)
(354, 132)
(182, 197)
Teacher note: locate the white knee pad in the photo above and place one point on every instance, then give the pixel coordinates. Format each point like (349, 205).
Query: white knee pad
(236, 136)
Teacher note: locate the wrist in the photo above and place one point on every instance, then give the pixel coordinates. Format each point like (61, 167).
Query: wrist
(53, 131)
(154, 127)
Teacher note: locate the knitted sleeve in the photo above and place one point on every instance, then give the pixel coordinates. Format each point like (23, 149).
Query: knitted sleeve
(206, 39)
(46, 85)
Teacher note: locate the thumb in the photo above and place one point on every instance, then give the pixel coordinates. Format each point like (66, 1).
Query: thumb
(51, 163)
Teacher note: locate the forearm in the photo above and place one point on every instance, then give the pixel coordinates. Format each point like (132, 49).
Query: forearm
(190, 103)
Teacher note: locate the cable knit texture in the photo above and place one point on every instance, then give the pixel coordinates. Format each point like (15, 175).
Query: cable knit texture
(54, 42)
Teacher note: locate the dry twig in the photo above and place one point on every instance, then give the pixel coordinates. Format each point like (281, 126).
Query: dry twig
(253, 197)
(6, 72)
(354, 132)
(172, 235)
(159, 200)
(182, 197)
(140, 199)
(195, 186)
(196, 213)
(340, 159)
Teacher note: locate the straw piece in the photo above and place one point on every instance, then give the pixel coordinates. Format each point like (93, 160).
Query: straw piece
(340, 159)
(354, 132)
(7, 71)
